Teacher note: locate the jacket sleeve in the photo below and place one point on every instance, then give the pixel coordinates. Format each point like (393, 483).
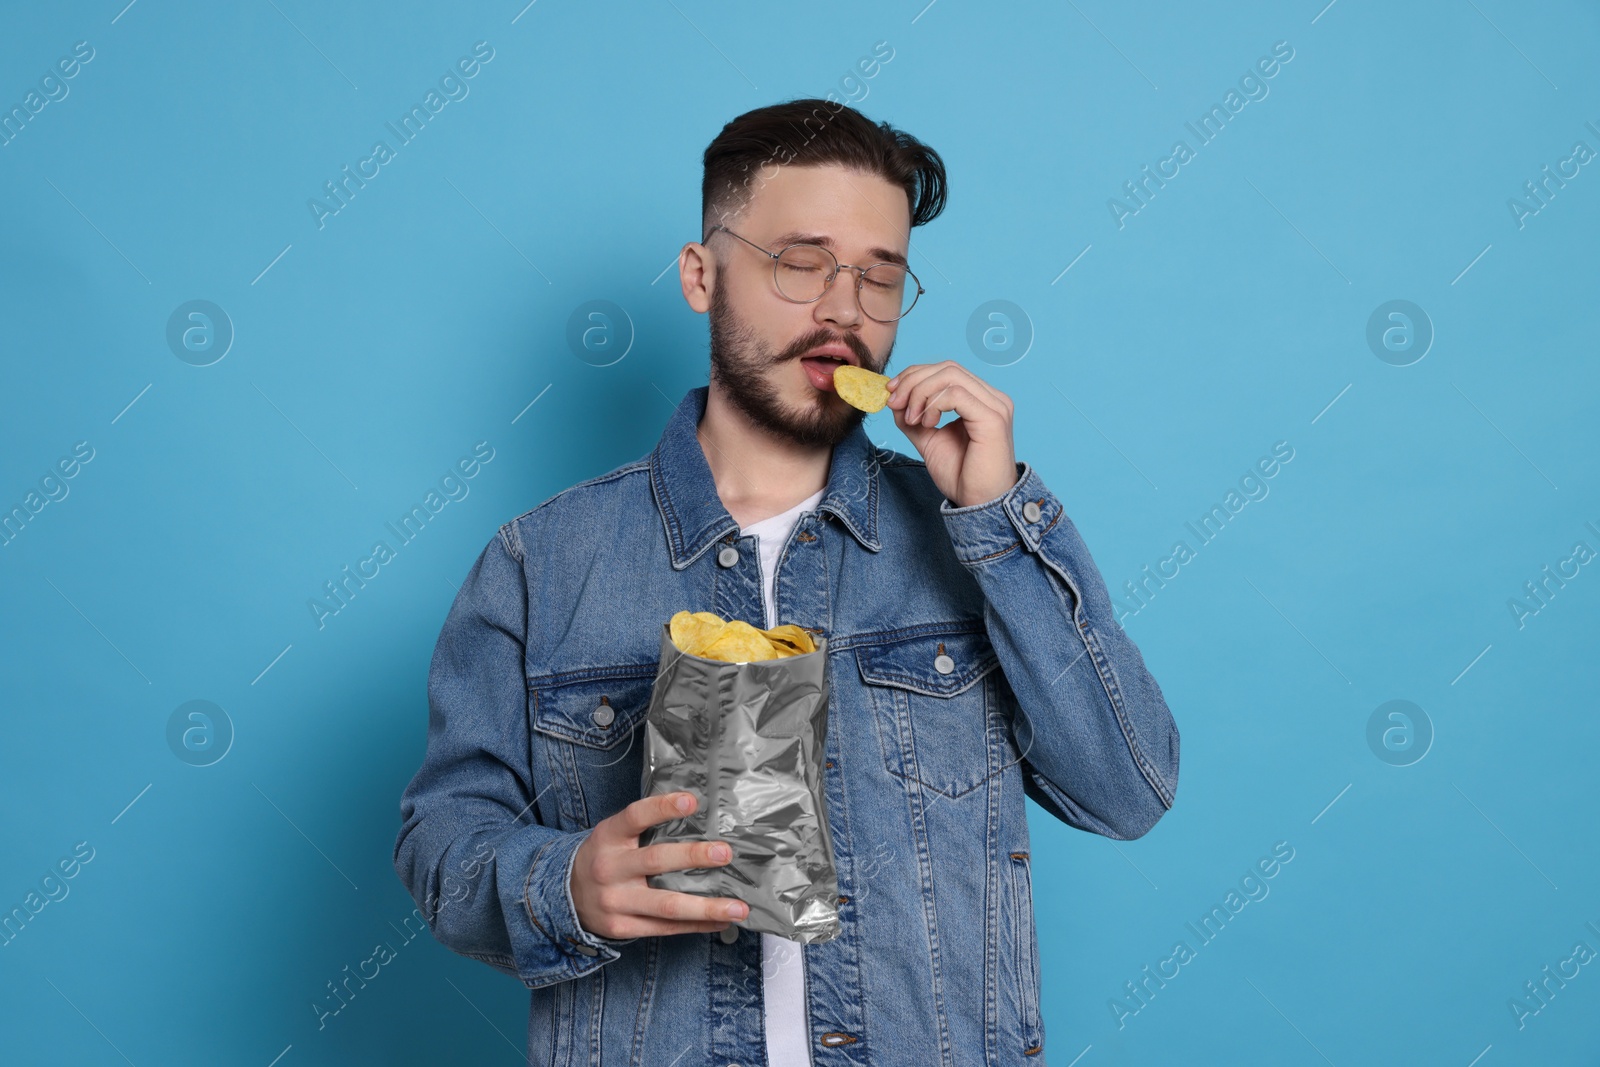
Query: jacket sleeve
(1099, 745)
(491, 881)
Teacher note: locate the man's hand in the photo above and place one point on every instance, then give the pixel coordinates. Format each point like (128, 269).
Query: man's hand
(608, 876)
(972, 459)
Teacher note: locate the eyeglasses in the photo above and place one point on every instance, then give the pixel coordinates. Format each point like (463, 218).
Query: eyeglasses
(803, 272)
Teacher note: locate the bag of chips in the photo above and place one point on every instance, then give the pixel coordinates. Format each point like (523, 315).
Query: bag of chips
(739, 717)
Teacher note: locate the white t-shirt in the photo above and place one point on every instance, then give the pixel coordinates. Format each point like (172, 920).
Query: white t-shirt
(783, 979)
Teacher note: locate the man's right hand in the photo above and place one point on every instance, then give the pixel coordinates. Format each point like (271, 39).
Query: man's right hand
(608, 876)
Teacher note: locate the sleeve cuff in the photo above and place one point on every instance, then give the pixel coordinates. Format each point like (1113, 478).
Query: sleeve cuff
(1022, 515)
(553, 946)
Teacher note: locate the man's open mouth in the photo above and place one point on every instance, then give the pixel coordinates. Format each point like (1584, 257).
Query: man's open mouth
(819, 369)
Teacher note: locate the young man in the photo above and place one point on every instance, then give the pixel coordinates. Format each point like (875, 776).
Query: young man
(974, 659)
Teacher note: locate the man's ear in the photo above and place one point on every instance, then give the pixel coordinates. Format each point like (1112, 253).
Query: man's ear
(697, 272)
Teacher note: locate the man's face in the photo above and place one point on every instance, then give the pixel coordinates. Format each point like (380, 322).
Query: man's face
(758, 338)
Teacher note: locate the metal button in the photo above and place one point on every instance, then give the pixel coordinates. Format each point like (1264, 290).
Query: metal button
(604, 715)
(729, 936)
(728, 556)
(1030, 511)
(588, 950)
(944, 664)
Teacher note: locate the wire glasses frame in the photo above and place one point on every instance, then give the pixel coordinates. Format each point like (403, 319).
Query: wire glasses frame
(861, 274)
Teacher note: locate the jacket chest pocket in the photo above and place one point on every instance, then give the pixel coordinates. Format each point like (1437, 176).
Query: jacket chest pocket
(932, 703)
(587, 738)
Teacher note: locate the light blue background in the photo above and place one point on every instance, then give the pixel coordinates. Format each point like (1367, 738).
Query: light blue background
(1230, 313)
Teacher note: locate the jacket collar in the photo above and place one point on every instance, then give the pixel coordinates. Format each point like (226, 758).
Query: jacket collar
(692, 513)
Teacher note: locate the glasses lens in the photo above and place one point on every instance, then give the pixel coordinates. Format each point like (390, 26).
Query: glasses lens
(803, 271)
(887, 291)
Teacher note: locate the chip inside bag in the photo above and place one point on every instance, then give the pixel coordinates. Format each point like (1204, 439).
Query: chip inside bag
(739, 717)
(702, 633)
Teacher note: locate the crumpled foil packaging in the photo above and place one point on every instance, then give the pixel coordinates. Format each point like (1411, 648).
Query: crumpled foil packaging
(747, 739)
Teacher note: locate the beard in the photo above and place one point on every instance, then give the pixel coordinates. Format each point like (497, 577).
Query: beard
(741, 365)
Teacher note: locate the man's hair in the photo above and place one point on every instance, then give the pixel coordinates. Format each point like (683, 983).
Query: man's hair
(813, 132)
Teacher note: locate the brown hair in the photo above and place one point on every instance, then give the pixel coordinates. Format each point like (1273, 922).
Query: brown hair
(812, 132)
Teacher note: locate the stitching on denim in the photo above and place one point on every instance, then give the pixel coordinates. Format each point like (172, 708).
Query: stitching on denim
(647, 996)
(953, 628)
(642, 463)
(623, 725)
(995, 555)
(1113, 693)
(527, 886)
(878, 676)
(512, 542)
(621, 672)
(1108, 680)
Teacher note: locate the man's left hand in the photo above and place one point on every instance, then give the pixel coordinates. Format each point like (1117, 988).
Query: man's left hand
(971, 459)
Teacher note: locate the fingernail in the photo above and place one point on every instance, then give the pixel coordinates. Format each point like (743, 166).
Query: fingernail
(683, 803)
(720, 852)
(734, 911)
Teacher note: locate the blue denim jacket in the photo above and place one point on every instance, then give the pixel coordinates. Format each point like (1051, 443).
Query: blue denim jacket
(974, 659)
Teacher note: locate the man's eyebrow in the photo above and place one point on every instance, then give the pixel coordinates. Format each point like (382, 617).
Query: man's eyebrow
(795, 237)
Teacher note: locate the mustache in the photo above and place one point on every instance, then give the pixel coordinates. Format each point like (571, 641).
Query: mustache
(817, 338)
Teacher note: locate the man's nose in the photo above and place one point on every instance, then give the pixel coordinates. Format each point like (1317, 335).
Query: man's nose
(839, 303)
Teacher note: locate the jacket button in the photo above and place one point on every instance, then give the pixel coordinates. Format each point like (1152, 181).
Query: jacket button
(728, 556)
(944, 664)
(729, 936)
(588, 950)
(604, 715)
(1030, 511)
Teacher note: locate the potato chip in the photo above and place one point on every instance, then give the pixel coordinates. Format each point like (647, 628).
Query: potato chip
(739, 642)
(709, 636)
(692, 632)
(792, 635)
(861, 388)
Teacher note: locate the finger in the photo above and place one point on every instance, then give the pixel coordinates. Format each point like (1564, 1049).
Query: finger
(674, 856)
(907, 378)
(918, 390)
(937, 394)
(642, 814)
(948, 370)
(683, 907)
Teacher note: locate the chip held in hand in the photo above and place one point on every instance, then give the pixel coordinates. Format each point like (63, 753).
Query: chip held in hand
(705, 634)
(861, 388)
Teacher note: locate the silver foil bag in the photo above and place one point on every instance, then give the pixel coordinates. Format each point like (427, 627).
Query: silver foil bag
(747, 740)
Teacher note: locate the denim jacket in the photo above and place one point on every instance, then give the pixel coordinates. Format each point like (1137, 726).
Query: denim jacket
(974, 658)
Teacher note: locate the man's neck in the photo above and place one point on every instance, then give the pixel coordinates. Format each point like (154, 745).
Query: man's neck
(757, 475)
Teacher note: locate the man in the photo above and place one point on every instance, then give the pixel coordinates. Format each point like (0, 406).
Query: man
(974, 659)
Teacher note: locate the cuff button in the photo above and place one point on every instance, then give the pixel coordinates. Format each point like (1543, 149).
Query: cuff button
(588, 950)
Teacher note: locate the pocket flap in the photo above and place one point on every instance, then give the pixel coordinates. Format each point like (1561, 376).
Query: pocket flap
(936, 664)
(596, 710)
